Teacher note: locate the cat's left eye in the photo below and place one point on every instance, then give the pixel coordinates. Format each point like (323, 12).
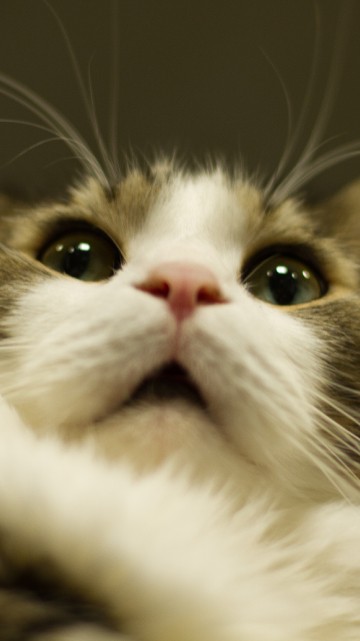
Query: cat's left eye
(87, 255)
(284, 280)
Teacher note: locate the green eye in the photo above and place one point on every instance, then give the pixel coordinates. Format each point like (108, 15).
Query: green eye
(87, 255)
(283, 280)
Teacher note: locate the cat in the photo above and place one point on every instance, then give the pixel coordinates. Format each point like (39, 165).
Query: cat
(179, 380)
(179, 404)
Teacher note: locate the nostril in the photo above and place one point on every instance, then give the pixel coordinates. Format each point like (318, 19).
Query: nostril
(184, 286)
(156, 287)
(208, 294)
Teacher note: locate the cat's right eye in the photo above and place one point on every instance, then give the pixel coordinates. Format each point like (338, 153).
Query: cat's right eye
(284, 280)
(87, 255)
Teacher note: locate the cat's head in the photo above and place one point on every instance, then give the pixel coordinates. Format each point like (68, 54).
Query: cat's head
(179, 309)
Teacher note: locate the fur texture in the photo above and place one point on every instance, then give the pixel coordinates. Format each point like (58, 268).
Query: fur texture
(226, 512)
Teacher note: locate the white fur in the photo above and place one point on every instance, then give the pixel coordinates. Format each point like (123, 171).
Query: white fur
(251, 541)
(173, 561)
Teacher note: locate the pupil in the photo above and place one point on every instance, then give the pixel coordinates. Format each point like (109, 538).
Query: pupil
(283, 284)
(76, 260)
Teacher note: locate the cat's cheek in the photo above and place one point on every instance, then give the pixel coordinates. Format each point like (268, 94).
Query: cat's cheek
(259, 371)
(77, 351)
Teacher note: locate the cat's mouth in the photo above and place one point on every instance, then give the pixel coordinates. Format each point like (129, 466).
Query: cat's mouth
(168, 383)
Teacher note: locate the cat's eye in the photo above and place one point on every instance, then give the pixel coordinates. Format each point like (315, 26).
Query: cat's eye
(284, 280)
(87, 255)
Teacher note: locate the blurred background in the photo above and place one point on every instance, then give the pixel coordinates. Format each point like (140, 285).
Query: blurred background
(203, 77)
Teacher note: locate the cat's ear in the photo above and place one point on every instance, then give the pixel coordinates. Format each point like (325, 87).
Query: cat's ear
(339, 216)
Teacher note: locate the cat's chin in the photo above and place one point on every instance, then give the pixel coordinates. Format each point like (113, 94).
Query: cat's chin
(147, 431)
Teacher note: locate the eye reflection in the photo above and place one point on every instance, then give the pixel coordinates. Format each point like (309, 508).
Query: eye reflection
(284, 280)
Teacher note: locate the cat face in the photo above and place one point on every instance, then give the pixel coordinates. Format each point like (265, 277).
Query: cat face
(179, 310)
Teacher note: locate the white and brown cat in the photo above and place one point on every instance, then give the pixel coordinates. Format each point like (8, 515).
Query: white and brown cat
(179, 423)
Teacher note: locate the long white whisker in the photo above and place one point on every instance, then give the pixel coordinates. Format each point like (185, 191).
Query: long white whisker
(36, 145)
(337, 408)
(303, 171)
(114, 98)
(337, 455)
(326, 461)
(335, 429)
(296, 180)
(344, 442)
(86, 97)
(319, 452)
(48, 114)
(343, 437)
(309, 90)
(347, 389)
(323, 458)
(27, 123)
(62, 159)
(330, 456)
(99, 139)
(35, 125)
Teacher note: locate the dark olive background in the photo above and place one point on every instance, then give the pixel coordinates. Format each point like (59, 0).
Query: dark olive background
(193, 75)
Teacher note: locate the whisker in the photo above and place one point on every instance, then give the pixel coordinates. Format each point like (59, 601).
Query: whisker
(318, 451)
(309, 90)
(289, 140)
(36, 145)
(99, 139)
(59, 125)
(35, 125)
(346, 449)
(28, 123)
(323, 458)
(328, 459)
(344, 438)
(59, 160)
(343, 480)
(338, 431)
(114, 98)
(297, 179)
(346, 389)
(305, 167)
(330, 456)
(86, 97)
(336, 407)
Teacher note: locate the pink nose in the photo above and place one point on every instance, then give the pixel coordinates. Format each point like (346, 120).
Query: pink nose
(184, 286)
